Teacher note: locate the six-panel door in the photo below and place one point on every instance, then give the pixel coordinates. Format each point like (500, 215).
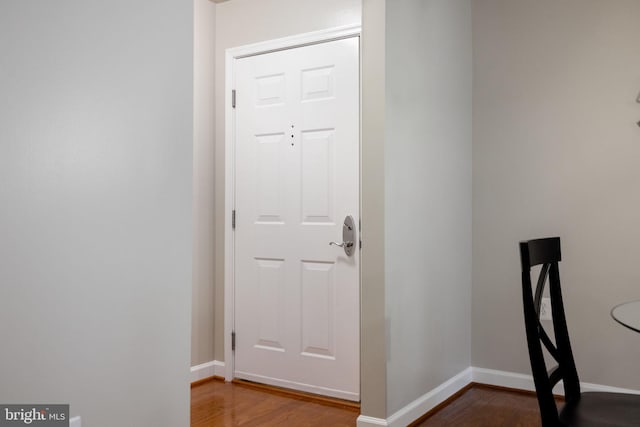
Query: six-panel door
(297, 303)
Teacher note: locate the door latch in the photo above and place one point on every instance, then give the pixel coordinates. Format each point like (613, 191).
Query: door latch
(348, 236)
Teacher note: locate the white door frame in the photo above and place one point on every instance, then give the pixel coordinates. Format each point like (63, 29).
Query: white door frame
(231, 55)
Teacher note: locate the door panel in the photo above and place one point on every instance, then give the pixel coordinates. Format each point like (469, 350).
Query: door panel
(297, 177)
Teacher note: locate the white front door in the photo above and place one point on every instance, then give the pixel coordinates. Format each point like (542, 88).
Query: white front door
(297, 299)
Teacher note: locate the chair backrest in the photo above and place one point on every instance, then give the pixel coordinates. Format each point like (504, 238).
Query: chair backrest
(546, 252)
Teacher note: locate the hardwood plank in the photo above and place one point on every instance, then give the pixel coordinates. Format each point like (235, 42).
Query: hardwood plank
(216, 403)
(206, 380)
(488, 407)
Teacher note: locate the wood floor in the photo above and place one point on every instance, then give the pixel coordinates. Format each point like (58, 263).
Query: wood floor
(482, 406)
(216, 403)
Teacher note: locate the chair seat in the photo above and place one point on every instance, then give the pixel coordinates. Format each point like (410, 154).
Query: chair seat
(595, 409)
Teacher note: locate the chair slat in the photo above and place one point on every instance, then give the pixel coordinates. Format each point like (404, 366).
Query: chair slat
(542, 280)
(555, 375)
(549, 345)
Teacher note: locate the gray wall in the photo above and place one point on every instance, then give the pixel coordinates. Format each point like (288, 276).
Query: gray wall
(427, 195)
(373, 354)
(95, 185)
(203, 319)
(556, 152)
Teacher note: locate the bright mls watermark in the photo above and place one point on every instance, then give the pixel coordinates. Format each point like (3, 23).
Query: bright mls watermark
(34, 415)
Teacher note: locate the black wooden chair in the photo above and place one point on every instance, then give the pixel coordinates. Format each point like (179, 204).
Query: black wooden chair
(590, 409)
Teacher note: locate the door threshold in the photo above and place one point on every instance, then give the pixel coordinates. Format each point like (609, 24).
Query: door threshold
(300, 395)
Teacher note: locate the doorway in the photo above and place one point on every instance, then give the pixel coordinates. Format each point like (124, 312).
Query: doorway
(293, 298)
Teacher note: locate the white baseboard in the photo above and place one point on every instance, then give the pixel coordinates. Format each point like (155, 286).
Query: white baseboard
(75, 422)
(525, 382)
(421, 405)
(207, 370)
(430, 400)
(365, 421)
(502, 379)
(608, 389)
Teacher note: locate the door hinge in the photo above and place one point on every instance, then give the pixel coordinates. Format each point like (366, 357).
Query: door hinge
(233, 219)
(233, 98)
(233, 341)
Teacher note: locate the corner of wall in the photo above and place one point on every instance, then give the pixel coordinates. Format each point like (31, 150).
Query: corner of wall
(373, 333)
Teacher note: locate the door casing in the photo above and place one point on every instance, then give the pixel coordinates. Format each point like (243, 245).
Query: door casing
(231, 55)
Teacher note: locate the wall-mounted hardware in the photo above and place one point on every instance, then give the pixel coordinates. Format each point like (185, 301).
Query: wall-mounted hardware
(545, 309)
(638, 101)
